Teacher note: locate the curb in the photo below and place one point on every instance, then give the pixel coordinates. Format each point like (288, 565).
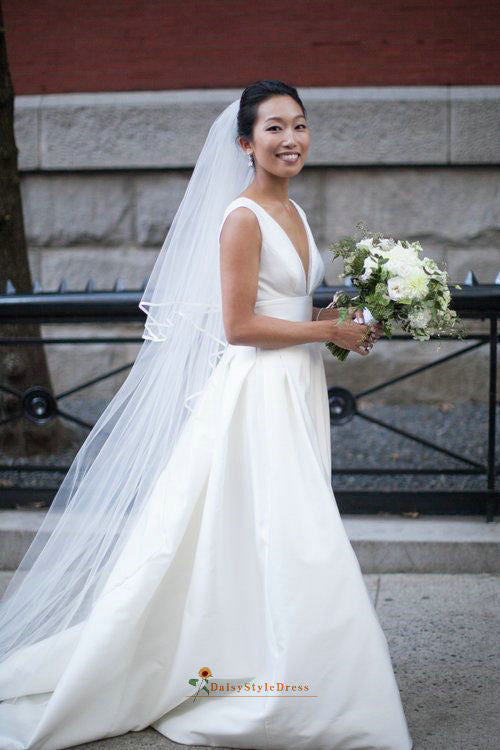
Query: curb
(383, 543)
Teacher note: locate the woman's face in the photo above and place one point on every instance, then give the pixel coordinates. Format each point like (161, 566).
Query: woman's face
(280, 129)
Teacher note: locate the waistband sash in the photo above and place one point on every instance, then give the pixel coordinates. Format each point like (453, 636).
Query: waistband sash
(287, 308)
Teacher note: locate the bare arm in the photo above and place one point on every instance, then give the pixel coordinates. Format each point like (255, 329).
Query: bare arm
(325, 313)
(332, 313)
(240, 242)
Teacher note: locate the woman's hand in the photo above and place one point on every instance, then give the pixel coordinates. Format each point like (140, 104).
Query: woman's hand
(333, 313)
(357, 337)
(326, 313)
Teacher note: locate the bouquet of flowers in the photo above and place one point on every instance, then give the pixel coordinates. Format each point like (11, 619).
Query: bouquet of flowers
(396, 286)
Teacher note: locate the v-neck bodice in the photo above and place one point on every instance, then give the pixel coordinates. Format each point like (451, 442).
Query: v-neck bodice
(308, 264)
(281, 271)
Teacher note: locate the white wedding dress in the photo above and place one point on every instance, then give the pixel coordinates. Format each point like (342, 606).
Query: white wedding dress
(240, 563)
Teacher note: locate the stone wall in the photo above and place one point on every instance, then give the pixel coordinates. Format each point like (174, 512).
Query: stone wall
(103, 175)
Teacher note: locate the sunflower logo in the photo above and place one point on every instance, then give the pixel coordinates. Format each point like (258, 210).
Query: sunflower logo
(201, 682)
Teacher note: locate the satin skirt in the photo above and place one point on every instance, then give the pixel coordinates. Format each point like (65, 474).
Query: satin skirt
(239, 564)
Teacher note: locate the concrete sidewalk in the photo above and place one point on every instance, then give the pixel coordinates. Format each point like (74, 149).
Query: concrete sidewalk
(443, 632)
(435, 584)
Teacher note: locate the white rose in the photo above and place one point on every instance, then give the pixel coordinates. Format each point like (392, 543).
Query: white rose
(402, 261)
(397, 289)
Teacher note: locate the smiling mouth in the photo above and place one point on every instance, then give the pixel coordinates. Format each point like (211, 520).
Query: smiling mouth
(289, 158)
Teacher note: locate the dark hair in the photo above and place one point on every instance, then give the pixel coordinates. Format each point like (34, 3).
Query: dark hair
(253, 95)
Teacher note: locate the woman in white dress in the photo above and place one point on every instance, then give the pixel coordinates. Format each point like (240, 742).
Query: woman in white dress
(193, 573)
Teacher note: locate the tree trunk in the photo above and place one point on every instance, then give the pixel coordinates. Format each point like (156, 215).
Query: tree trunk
(21, 366)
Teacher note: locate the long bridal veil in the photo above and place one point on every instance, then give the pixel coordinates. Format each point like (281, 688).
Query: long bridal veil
(110, 479)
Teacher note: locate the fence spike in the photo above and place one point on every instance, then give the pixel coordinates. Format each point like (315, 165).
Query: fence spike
(9, 287)
(118, 286)
(63, 286)
(37, 287)
(470, 279)
(90, 287)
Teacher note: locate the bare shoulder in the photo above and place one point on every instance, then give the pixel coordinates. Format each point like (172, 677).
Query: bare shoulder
(241, 224)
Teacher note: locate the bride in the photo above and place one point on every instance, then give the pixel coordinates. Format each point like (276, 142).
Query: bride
(193, 573)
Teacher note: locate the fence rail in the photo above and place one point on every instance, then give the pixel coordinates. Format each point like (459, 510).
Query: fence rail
(118, 305)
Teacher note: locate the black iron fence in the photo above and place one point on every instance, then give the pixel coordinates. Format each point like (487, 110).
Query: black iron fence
(117, 305)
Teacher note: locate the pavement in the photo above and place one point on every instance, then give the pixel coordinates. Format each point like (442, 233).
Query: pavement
(435, 585)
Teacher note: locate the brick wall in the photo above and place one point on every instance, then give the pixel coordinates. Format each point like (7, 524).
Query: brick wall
(56, 46)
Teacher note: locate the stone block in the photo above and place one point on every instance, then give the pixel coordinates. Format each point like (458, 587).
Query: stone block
(475, 124)
(377, 125)
(103, 265)
(62, 210)
(127, 130)
(443, 208)
(158, 197)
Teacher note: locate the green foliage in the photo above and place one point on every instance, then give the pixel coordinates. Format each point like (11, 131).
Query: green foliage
(356, 264)
(343, 248)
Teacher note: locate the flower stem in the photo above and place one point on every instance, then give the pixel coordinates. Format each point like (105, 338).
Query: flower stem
(337, 351)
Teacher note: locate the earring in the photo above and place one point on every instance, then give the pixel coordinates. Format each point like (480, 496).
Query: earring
(250, 160)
